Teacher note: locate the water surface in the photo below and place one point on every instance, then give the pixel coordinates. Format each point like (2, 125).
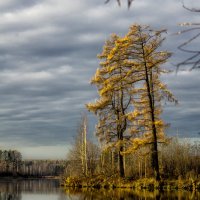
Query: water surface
(44, 189)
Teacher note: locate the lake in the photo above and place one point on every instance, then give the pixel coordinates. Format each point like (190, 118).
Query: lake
(47, 189)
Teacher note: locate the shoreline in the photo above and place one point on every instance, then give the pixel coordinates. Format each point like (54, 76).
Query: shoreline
(140, 184)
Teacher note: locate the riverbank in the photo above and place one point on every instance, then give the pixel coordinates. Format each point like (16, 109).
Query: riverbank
(145, 183)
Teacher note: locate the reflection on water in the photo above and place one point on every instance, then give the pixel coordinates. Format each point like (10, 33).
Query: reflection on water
(30, 189)
(128, 194)
(49, 190)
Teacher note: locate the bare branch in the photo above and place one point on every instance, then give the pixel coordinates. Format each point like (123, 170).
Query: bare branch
(129, 2)
(193, 61)
(187, 42)
(191, 9)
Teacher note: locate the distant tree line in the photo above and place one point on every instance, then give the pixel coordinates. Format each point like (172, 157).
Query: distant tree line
(11, 164)
(40, 168)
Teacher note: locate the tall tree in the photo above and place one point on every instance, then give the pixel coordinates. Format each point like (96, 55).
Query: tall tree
(129, 78)
(115, 94)
(146, 61)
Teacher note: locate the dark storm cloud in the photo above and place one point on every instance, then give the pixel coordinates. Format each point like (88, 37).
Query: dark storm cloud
(48, 54)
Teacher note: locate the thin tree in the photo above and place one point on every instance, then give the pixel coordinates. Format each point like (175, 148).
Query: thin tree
(78, 154)
(83, 156)
(84, 144)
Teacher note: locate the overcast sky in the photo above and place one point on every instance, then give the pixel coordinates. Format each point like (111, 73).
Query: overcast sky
(48, 54)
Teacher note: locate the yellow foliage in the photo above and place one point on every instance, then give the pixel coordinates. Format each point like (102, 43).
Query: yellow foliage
(159, 123)
(105, 89)
(110, 56)
(112, 68)
(99, 104)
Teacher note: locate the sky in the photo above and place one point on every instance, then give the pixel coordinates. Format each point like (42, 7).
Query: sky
(48, 54)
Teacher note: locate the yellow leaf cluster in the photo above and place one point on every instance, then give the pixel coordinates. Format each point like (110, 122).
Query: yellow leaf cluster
(159, 123)
(99, 104)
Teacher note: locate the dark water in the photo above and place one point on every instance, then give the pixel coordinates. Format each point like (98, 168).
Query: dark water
(50, 190)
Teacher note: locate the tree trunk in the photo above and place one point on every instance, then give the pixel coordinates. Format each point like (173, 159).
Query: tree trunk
(154, 151)
(154, 161)
(121, 163)
(85, 146)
